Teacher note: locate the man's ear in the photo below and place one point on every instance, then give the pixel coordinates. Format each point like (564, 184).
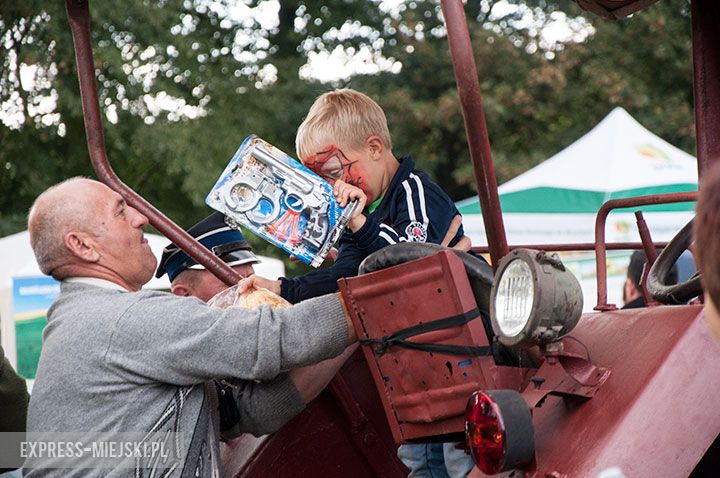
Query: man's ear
(81, 246)
(376, 147)
(182, 290)
(630, 291)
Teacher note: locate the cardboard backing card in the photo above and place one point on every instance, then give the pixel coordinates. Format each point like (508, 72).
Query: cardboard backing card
(279, 199)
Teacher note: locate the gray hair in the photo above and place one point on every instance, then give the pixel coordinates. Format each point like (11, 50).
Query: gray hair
(53, 214)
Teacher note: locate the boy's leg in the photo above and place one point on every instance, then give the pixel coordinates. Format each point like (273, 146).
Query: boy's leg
(425, 460)
(457, 462)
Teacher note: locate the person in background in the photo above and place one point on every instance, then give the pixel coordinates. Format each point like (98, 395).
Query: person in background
(706, 232)
(13, 412)
(188, 278)
(243, 403)
(632, 291)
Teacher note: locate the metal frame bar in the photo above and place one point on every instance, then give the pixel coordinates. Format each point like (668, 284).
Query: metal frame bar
(600, 247)
(578, 246)
(468, 85)
(706, 84)
(79, 18)
(650, 254)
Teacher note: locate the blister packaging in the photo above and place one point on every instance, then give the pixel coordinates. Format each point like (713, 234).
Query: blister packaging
(253, 299)
(279, 199)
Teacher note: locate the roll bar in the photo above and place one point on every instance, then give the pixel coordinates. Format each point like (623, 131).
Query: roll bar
(79, 18)
(706, 60)
(468, 85)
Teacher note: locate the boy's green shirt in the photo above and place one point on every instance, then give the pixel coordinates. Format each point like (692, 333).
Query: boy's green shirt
(371, 208)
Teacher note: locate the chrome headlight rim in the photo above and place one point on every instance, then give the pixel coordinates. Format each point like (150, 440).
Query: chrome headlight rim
(556, 305)
(521, 273)
(524, 256)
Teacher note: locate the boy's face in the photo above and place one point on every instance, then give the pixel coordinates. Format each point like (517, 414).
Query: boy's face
(332, 164)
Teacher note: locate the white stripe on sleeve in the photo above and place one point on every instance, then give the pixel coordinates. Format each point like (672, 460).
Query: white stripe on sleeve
(421, 195)
(408, 198)
(385, 236)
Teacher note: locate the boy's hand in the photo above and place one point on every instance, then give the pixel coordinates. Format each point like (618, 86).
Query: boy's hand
(257, 282)
(345, 193)
(464, 244)
(331, 256)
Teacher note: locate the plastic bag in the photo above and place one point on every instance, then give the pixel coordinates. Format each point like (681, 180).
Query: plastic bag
(232, 298)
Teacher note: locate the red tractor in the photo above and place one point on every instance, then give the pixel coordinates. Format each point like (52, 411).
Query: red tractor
(535, 389)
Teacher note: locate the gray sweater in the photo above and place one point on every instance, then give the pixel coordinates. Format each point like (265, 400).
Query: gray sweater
(140, 361)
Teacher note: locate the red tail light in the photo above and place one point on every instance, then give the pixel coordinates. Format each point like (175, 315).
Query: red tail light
(498, 430)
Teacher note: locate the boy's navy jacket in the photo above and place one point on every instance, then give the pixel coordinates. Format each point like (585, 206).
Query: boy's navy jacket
(413, 208)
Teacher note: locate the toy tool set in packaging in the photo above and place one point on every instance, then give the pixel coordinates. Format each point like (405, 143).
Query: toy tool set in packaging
(279, 199)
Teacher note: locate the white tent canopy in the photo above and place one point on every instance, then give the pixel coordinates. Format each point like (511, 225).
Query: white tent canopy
(556, 201)
(19, 261)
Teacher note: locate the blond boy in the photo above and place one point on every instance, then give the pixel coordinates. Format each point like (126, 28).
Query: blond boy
(345, 139)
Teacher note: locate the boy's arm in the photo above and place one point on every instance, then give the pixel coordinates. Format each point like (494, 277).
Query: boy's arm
(349, 258)
(322, 281)
(422, 213)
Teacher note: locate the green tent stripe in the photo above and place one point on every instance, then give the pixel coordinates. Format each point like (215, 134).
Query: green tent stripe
(558, 200)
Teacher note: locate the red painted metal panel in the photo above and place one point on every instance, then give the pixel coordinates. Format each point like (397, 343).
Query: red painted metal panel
(656, 414)
(324, 440)
(424, 393)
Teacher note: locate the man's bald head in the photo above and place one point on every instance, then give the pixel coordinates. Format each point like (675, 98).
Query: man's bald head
(57, 211)
(82, 228)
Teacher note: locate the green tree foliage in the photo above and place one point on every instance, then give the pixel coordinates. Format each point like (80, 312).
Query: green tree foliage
(537, 102)
(183, 82)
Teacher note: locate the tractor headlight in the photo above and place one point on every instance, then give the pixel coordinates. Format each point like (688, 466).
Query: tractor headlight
(534, 299)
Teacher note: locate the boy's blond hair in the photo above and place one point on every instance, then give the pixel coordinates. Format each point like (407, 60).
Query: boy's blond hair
(345, 118)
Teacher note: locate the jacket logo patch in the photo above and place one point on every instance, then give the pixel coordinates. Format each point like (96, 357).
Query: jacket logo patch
(416, 232)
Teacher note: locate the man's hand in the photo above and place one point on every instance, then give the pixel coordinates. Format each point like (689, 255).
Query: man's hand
(345, 193)
(464, 244)
(257, 282)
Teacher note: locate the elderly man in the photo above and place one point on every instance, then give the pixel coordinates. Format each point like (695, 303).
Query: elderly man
(119, 359)
(243, 404)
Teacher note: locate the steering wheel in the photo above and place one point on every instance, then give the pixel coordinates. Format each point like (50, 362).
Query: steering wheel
(657, 285)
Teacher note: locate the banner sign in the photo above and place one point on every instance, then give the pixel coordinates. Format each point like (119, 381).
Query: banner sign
(32, 297)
